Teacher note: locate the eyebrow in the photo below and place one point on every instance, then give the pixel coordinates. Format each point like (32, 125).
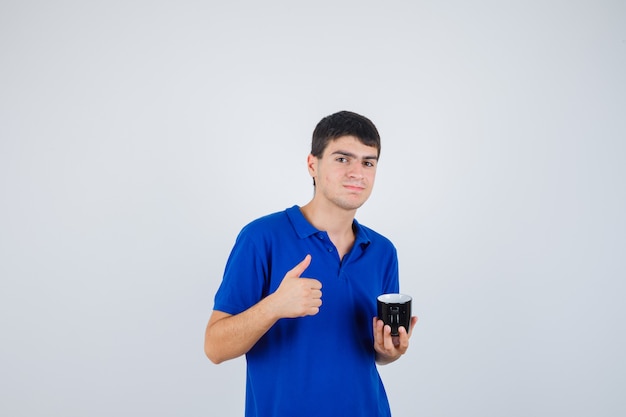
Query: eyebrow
(351, 155)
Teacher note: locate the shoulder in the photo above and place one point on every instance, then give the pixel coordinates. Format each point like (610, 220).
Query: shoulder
(268, 222)
(267, 225)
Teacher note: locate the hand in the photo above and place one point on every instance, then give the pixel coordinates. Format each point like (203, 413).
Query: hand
(298, 297)
(389, 348)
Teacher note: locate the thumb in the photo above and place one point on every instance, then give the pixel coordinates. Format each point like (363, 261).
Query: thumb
(299, 269)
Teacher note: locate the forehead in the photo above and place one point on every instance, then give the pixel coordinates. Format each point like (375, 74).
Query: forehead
(351, 144)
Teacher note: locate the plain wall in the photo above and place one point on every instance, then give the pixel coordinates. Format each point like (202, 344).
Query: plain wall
(138, 137)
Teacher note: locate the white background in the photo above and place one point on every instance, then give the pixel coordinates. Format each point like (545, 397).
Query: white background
(138, 137)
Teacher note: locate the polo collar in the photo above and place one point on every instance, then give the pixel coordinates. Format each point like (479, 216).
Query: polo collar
(305, 229)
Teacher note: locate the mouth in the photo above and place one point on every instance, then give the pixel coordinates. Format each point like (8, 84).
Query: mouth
(353, 187)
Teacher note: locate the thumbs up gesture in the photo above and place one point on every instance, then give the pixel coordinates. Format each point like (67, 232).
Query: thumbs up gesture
(297, 296)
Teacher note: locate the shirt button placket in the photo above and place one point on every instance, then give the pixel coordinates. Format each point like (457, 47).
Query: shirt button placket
(329, 247)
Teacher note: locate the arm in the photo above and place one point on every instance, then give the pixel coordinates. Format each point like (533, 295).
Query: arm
(229, 336)
(389, 349)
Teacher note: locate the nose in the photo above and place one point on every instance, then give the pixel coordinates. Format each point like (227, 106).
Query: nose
(356, 171)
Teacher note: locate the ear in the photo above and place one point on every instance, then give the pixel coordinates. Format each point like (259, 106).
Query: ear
(311, 163)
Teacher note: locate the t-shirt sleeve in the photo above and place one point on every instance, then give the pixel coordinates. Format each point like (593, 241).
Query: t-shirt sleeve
(391, 283)
(244, 276)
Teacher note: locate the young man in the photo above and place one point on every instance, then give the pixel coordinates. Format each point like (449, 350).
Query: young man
(310, 354)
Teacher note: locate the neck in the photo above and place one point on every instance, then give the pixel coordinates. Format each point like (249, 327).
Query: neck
(332, 219)
(335, 221)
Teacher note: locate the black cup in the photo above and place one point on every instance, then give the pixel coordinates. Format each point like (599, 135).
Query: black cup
(395, 310)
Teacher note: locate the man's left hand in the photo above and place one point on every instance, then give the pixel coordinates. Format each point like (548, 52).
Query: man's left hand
(390, 348)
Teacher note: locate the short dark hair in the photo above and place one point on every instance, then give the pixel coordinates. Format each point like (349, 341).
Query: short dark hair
(344, 123)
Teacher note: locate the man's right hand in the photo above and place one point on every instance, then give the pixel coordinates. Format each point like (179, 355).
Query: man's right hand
(297, 296)
(229, 336)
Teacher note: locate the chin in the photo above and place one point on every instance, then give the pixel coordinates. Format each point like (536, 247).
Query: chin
(350, 205)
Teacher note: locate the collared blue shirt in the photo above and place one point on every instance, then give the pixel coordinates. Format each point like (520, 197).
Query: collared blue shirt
(321, 365)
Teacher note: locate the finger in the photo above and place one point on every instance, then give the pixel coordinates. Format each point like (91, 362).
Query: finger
(387, 339)
(299, 269)
(402, 340)
(396, 342)
(316, 294)
(313, 284)
(412, 325)
(313, 311)
(315, 307)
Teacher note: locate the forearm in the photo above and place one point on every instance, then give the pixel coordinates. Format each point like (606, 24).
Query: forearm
(230, 336)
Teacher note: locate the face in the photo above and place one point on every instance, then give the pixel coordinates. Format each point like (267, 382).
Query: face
(344, 175)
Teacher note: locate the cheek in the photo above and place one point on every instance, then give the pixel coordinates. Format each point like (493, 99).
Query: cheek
(333, 173)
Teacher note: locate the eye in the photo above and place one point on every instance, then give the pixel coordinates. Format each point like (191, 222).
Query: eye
(342, 159)
(368, 164)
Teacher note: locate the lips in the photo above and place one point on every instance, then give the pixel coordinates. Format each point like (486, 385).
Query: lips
(354, 187)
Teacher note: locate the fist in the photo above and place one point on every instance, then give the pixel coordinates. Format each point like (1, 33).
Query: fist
(298, 296)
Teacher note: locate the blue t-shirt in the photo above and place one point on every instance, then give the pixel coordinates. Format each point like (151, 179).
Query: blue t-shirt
(321, 365)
